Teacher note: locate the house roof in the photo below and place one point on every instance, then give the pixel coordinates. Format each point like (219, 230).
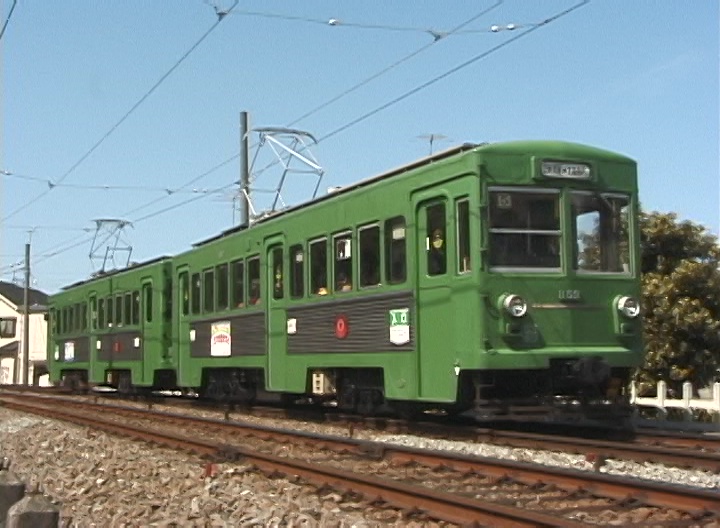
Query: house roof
(14, 294)
(9, 350)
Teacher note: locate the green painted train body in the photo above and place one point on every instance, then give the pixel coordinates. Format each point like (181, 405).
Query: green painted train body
(114, 328)
(490, 276)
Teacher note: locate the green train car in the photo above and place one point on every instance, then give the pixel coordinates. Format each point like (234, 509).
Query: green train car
(114, 329)
(497, 277)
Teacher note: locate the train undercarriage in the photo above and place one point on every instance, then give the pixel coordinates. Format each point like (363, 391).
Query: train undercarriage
(583, 389)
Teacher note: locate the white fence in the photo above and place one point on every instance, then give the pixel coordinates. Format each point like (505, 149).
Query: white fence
(708, 400)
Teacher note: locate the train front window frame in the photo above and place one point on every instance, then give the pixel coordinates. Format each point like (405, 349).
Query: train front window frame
(525, 230)
(601, 230)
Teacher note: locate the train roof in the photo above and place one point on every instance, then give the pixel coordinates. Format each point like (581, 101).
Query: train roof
(554, 148)
(105, 274)
(342, 190)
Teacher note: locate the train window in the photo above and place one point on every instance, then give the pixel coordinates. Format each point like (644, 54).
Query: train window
(83, 316)
(136, 307)
(525, 229)
(208, 291)
(602, 238)
(254, 281)
(436, 239)
(297, 272)
(462, 208)
(168, 298)
(93, 312)
(369, 241)
(184, 293)
(343, 262)
(109, 315)
(148, 301)
(222, 286)
(395, 251)
(118, 310)
(101, 313)
(277, 271)
(318, 267)
(51, 321)
(195, 293)
(128, 308)
(238, 281)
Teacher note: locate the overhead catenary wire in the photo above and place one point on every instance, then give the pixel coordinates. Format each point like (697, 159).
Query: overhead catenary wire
(523, 33)
(127, 114)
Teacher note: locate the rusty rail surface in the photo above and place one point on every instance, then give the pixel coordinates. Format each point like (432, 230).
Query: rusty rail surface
(697, 503)
(441, 505)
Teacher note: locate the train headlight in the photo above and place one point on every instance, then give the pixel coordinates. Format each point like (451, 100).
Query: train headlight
(628, 306)
(514, 305)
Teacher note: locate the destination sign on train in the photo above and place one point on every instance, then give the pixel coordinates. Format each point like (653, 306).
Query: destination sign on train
(552, 169)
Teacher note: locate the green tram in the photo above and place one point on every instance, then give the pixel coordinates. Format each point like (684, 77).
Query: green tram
(114, 329)
(497, 277)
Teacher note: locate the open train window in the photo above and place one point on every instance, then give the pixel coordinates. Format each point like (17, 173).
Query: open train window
(462, 209)
(525, 229)
(343, 262)
(318, 267)
(395, 250)
(222, 286)
(369, 242)
(208, 291)
(238, 284)
(297, 272)
(602, 240)
(254, 290)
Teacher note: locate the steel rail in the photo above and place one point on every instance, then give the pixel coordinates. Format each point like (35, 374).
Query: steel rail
(695, 501)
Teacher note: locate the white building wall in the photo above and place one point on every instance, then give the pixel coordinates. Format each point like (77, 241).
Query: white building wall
(38, 342)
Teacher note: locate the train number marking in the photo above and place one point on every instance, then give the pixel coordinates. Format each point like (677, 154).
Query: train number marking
(569, 295)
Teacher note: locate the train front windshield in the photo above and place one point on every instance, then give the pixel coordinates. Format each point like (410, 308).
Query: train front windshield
(527, 231)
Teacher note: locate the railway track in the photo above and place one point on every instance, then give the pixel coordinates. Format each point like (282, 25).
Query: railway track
(675, 449)
(453, 488)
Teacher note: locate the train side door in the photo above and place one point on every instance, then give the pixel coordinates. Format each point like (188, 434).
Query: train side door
(434, 248)
(275, 322)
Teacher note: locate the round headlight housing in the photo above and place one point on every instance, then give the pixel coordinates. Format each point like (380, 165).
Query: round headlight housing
(515, 305)
(628, 306)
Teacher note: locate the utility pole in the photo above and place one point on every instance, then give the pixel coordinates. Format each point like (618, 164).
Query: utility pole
(244, 171)
(26, 317)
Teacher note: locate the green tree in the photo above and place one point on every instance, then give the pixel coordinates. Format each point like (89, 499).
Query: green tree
(681, 302)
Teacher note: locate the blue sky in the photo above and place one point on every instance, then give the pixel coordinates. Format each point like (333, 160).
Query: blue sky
(638, 77)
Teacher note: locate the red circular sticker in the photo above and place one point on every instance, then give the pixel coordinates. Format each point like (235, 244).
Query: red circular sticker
(342, 328)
